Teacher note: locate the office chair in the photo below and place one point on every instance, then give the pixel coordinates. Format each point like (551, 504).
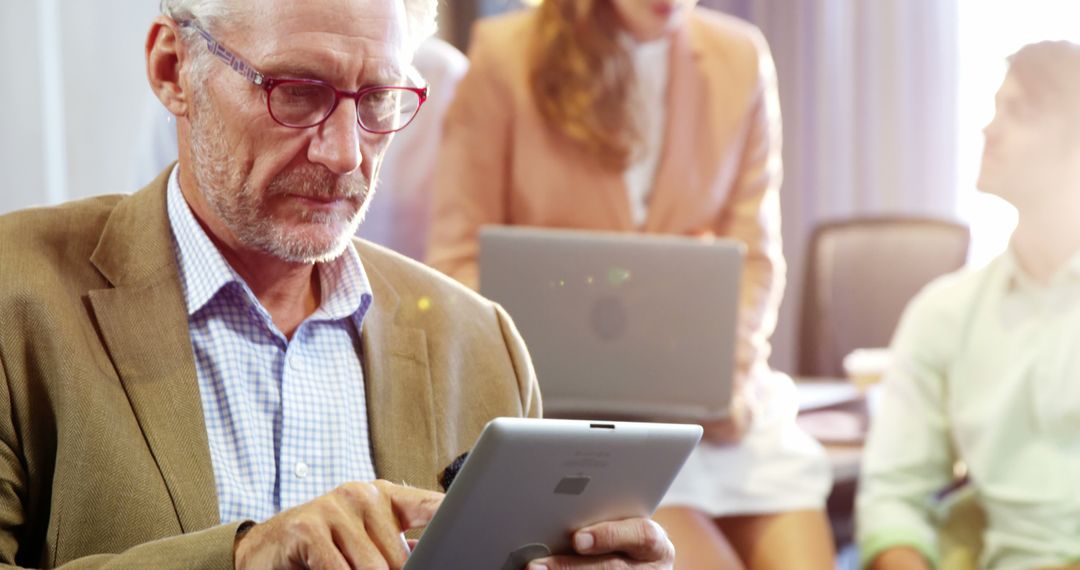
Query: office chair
(860, 274)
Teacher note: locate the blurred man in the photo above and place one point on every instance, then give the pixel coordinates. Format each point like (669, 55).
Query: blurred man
(986, 367)
(211, 373)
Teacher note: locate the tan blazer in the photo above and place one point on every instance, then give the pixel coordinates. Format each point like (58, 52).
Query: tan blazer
(102, 440)
(719, 171)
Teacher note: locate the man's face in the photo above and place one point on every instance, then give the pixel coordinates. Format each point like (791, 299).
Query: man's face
(297, 194)
(651, 19)
(1028, 152)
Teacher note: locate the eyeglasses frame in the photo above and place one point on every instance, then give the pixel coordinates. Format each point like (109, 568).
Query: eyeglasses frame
(239, 65)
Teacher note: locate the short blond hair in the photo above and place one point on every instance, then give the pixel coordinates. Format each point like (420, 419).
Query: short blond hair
(1049, 75)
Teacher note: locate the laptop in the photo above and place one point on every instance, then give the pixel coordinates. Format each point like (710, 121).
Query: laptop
(619, 324)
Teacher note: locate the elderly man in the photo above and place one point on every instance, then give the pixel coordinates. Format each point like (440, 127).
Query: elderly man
(216, 350)
(986, 368)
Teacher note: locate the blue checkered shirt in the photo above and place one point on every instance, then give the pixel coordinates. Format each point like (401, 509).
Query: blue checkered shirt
(286, 419)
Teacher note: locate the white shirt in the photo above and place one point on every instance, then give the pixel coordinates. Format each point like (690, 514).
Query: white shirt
(650, 101)
(986, 370)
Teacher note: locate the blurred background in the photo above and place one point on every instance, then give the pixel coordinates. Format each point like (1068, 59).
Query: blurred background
(883, 102)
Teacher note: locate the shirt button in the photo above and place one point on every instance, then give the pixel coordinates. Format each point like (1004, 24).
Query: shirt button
(301, 470)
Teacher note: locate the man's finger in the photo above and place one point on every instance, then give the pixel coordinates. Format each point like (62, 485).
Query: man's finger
(352, 541)
(412, 507)
(605, 562)
(368, 506)
(640, 539)
(320, 552)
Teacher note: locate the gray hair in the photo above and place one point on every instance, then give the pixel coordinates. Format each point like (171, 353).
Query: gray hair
(421, 15)
(209, 13)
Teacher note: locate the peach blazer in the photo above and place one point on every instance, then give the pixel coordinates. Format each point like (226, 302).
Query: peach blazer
(719, 172)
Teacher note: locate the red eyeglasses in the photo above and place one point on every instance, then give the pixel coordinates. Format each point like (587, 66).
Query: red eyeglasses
(304, 103)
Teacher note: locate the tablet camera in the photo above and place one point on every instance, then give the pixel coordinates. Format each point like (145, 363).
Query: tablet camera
(574, 485)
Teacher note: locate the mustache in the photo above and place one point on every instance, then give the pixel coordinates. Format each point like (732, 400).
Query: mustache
(317, 182)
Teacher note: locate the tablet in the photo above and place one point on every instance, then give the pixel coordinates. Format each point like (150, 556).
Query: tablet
(528, 484)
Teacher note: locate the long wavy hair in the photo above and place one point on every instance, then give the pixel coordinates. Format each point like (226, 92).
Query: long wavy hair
(582, 78)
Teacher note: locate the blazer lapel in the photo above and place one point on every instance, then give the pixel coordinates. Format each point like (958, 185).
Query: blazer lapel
(685, 115)
(612, 185)
(400, 404)
(143, 322)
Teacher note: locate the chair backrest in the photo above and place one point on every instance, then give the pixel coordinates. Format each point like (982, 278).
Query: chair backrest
(860, 275)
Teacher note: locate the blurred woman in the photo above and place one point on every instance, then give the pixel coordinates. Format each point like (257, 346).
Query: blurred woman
(659, 117)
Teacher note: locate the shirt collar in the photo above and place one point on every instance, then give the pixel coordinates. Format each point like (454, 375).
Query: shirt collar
(345, 288)
(346, 291)
(651, 48)
(203, 271)
(1019, 280)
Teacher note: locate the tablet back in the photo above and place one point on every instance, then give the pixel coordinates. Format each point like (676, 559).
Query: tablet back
(528, 484)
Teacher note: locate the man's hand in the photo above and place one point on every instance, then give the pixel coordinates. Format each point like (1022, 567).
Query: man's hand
(633, 543)
(357, 525)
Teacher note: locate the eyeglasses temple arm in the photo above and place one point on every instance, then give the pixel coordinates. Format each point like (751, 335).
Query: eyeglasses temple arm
(221, 52)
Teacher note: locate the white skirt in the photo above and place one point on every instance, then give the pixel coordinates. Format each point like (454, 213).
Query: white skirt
(776, 467)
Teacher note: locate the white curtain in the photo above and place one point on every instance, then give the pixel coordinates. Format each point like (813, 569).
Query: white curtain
(74, 85)
(21, 137)
(869, 95)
